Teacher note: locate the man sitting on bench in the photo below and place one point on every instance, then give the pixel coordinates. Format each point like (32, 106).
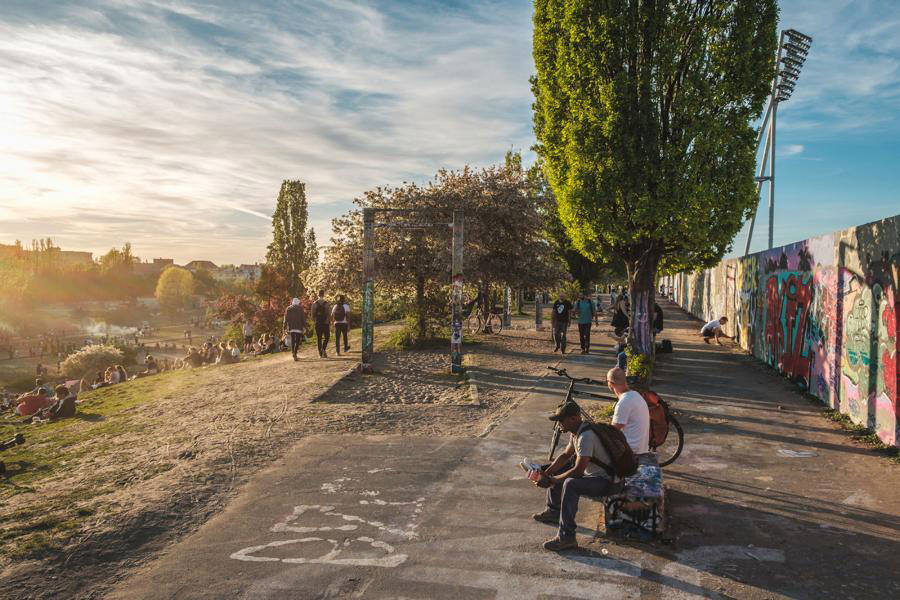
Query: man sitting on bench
(585, 478)
(631, 414)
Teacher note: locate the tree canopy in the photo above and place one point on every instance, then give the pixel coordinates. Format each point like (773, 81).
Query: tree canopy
(643, 115)
(503, 241)
(174, 289)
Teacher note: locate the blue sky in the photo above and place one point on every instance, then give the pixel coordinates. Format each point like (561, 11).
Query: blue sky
(171, 124)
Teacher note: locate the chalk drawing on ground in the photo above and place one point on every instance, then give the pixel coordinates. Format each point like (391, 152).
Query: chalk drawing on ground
(374, 552)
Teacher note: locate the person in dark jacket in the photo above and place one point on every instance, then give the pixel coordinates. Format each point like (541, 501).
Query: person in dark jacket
(295, 324)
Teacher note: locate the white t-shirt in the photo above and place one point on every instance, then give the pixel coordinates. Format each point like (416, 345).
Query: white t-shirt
(710, 328)
(631, 411)
(346, 313)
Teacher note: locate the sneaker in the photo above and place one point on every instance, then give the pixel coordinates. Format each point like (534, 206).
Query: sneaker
(295, 358)
(548, 516)
(346, 348)
(557, 544)
(556, 349)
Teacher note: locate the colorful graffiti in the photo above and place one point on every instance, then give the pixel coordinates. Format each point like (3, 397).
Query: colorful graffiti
(823, 311)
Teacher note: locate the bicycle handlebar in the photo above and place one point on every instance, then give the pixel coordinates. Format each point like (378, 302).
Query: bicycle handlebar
(563, 373)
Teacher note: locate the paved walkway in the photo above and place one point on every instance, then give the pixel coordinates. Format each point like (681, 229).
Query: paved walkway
(767, 501)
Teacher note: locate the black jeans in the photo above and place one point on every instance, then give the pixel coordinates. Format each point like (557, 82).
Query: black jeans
(564, 498)
(323, 334)
(584, 335)
(296, 338)
(559, 335)
(341, 329)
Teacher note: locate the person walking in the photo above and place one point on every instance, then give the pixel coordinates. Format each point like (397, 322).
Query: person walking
(340, 316)
(323, 331)
(584, 308)
(560, 314)
(295, 324)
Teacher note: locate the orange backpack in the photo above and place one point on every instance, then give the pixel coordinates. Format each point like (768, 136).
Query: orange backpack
(659, 420)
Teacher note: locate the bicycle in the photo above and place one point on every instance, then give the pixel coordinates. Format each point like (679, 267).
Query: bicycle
(479, 322)
(666, 451)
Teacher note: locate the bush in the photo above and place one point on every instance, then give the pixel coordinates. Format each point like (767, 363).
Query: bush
(91, 359)
(407, 337)
(640, 367)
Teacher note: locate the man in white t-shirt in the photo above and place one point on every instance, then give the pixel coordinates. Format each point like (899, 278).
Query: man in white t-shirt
(713, 329)
(579, 475)
(631, 415)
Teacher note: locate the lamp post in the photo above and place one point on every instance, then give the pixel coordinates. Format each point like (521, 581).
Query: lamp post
(793, 48)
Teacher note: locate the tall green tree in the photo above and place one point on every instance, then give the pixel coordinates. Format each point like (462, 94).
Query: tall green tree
(642, 112)
(293, 249)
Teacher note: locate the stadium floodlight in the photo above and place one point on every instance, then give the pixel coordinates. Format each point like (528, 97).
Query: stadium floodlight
(793, 48)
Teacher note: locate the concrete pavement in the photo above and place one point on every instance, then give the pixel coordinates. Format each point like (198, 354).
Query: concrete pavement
(754, 513)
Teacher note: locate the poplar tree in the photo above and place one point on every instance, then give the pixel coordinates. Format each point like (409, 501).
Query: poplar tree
(293, 249)
(643, 113)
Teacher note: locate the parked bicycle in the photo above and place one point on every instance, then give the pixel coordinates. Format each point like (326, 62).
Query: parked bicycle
(479, 321)
(667, 447)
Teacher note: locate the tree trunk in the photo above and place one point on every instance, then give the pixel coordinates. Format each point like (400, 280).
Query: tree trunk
(420, 306)
(641, 280)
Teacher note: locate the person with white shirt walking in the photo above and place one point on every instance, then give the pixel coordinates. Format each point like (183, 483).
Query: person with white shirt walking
(340, 316)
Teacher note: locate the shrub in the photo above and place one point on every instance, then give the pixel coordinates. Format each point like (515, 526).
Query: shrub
(91, 359)
(640, 367)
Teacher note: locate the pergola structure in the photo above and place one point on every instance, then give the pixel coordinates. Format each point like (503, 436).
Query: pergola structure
(368, 279)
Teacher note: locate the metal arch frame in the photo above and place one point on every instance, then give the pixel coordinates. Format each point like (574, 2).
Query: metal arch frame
(796, 45)
(368, 278)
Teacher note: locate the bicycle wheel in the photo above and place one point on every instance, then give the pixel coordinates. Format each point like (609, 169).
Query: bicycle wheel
(474, 323)
(674, 444)
(496, 323)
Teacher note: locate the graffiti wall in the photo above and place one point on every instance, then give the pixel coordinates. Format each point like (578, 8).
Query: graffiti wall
(822, 311)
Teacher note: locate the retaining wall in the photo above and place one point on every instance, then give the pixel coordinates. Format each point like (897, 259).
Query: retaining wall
(823, 312)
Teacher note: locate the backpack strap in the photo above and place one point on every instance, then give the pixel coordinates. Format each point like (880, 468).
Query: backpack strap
(609, 470)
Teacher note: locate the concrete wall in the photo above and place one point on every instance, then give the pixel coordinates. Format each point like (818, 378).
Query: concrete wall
(823, 312)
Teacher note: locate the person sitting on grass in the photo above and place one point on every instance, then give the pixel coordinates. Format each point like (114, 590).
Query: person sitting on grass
(32, 403)
(63, 407)
(713, 329)
(193, 359)
(123, 374)
(573, 474)
(266, 345)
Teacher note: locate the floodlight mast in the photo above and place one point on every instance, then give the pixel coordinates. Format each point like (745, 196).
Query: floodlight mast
(793, 48)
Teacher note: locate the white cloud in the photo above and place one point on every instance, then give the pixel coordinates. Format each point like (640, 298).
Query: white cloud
(791, 150)
(172, 125)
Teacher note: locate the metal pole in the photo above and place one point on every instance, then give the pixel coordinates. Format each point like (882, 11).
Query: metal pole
(770, 112)
(759, 182)
(456, 294)
(368, 290)
(538, 312)
(772, 176)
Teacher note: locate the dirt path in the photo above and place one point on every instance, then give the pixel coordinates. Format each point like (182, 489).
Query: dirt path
(149, 461)
(766, 502)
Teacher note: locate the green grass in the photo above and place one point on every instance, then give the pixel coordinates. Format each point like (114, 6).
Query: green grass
(863, 434)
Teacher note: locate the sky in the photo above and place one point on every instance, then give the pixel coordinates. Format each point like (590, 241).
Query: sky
(172, 123)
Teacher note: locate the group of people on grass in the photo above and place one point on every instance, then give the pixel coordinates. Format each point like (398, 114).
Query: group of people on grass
(44, 402)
